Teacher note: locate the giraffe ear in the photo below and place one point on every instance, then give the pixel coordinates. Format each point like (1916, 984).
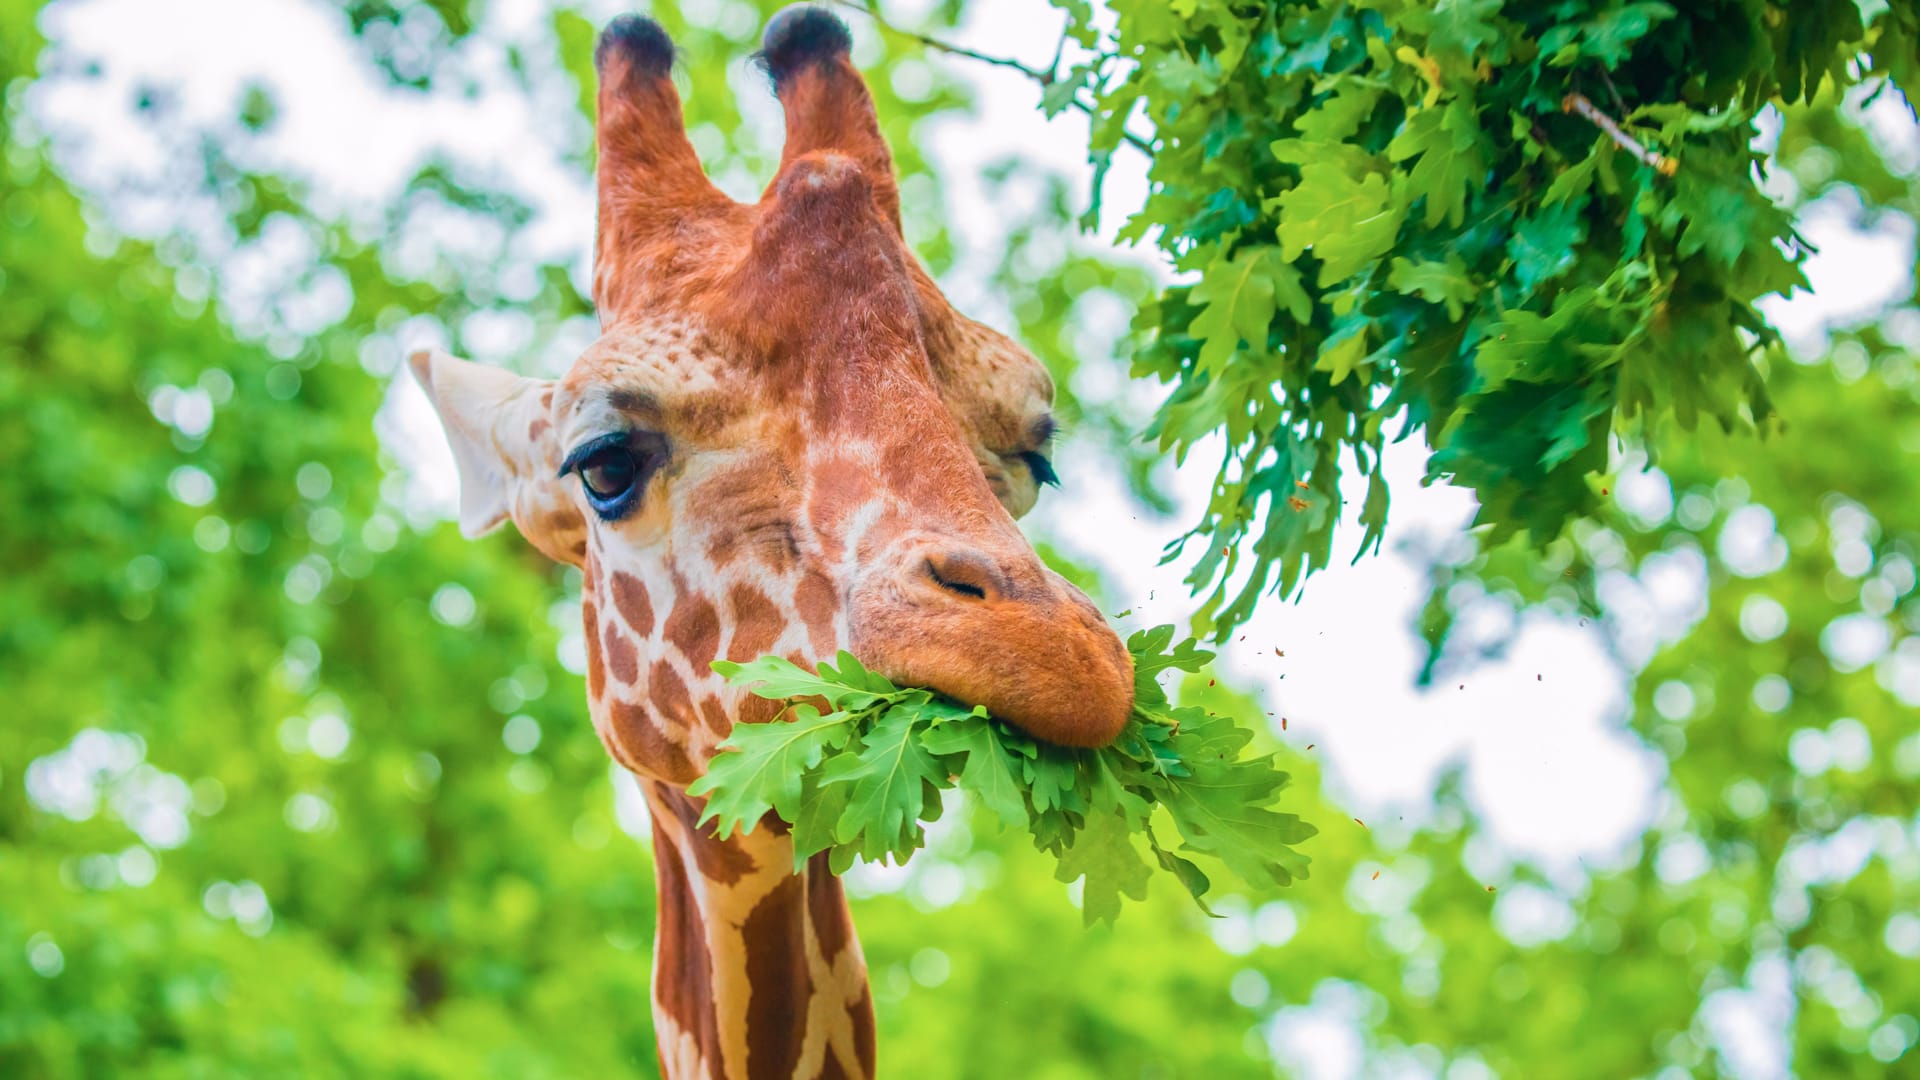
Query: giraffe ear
(497, 424)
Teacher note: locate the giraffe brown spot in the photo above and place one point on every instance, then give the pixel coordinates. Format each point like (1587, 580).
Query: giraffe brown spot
(756, 623)
(754, 709)
(642, 739)
(827, 906)
(725, 861)
(830, 1068)
(771, 822)
(715, 716)
(631, 598)
(669, 695)
(862, 1013)
(596, 670)
(695, 628)
(538, 429)
(622, 660)
(779, 985)
(817, 602)
(683, 976)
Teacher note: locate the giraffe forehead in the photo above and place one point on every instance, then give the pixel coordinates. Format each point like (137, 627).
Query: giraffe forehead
(662, 375)
(680, 379)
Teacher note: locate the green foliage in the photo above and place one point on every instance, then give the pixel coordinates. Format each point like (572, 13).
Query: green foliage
(859, 780)
(1390, 213)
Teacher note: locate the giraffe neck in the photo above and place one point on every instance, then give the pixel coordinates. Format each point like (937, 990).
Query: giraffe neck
(756, 970)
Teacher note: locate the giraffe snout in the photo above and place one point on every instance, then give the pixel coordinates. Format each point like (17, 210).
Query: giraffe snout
(1003, 632)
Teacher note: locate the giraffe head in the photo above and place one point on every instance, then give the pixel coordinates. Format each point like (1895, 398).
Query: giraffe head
(785, 441)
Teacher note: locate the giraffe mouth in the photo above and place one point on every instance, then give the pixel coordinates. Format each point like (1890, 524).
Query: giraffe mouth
(1006, 634)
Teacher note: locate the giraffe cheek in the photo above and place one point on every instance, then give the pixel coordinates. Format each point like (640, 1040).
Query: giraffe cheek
(596, 666)
(714, 715)
(630, 598)
(817, 602)
(623, 661)
(671, 702)
(694, 628)
(636, 738)
(757, 623)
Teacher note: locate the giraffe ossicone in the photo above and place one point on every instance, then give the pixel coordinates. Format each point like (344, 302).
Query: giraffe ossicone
(786, 442)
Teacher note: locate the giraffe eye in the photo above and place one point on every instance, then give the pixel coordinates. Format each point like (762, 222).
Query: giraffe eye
(614, 470)
(608, 472)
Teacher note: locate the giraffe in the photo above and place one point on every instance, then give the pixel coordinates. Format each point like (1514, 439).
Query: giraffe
(785, 441)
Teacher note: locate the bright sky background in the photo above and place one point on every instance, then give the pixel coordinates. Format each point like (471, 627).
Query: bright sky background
(1540, 733)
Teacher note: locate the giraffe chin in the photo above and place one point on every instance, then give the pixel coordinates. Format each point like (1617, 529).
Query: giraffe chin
(1009, 635)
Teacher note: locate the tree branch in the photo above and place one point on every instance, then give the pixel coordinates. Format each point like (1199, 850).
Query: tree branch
(1044, 78)
(1660, 163)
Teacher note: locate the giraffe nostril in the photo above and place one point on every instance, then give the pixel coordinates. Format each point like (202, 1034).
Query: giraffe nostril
(965, 573)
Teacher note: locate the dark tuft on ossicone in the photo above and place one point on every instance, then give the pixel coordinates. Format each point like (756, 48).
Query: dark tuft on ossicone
(798, 36)
(645, 46)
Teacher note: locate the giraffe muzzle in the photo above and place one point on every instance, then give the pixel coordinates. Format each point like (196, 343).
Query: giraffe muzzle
(1003, 632)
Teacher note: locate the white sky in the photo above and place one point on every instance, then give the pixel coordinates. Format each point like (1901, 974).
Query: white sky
(1540, 732)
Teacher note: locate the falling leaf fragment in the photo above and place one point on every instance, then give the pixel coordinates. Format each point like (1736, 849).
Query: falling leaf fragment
(1297, 503)
(1360, 823)
(1283, 723)
(1376, 875)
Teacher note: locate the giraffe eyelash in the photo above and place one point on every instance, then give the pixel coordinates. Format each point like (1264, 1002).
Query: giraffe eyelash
(586, 449)
(1041, 467)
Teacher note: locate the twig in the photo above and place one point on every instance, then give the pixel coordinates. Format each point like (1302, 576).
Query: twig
(1660, 163)
(1059, 51)
(1613, 92)
(1044, 78)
